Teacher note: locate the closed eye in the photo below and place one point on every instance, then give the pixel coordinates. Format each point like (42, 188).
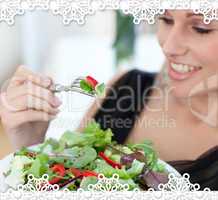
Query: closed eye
(199, 30)
(166, 20)
(202, 30)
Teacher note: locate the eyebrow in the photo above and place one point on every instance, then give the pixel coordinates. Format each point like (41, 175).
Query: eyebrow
(190, 14)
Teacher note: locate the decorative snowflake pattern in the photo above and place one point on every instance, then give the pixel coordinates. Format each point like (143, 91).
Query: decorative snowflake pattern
(9, 9)
(32, 4)
(181, 184)
(143, 10)
(110, 4)
(38, 185)
(108, 184)
(181, 4)
(207, 9)
(110, 188)
(35, 188)
(178, 188)
(72, 10)
(77, 10)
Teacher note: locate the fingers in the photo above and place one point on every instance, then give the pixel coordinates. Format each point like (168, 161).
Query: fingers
(29, 90)
(28, 102)
(18, 118)
(27, 98)
(209, 84)
(33, 90)
(17, 80)
(23, 74)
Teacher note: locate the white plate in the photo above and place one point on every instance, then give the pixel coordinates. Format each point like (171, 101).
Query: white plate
(5, 165)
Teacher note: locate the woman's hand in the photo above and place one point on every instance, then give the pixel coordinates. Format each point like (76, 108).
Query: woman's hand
(26, 107)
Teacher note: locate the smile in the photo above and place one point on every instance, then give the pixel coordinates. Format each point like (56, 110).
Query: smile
(182, 68)
(181, 72)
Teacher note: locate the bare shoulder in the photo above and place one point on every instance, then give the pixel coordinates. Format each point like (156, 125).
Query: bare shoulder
(97, 103)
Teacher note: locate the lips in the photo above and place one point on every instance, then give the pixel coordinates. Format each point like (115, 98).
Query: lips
(181, 72)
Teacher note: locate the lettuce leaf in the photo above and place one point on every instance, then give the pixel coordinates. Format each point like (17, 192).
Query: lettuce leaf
(70, 139)
(93, 136)
(87, 181)
(85, 86)
(130, 182)
(17, 174)
(150, 154)
(102, 137)
(108, 171)
(39, 166)
(86, 156)
(100, 90)
(136, 168)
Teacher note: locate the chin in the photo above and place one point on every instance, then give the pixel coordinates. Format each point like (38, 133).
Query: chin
(179, 90)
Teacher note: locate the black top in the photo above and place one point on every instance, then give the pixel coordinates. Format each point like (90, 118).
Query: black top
(122, 106)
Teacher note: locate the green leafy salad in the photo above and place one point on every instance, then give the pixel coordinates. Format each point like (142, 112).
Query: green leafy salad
(92, 86)
(76, 159)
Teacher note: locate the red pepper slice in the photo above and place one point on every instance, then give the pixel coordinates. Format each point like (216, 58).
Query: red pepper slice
(60, 170)
(76, 172)
(88, 173)
(109, 161)
(85, 173)
(91, 81)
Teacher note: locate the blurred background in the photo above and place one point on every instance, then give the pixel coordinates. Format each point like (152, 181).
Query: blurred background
(109, 42)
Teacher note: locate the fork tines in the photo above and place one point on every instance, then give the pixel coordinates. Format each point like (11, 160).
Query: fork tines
(74, 87)
(77, 80)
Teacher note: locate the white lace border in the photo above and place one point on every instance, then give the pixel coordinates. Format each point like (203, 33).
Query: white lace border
(77, 10)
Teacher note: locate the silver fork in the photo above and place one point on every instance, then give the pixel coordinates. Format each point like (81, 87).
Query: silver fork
(73, 87)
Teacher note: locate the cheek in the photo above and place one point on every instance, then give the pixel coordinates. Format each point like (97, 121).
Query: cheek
(207, 53)
(212, 53)
(160, 35)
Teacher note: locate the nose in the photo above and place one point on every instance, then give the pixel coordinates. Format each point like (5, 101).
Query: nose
(175, 43)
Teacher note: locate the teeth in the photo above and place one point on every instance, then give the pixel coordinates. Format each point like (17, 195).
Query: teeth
(183, 68)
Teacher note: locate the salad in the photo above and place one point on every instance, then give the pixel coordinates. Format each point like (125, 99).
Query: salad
(92, 86)
(76, 159)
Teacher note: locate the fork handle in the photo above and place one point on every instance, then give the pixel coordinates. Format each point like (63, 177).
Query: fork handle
(56, 88)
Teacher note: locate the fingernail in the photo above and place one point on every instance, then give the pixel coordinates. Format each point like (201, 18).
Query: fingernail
(57, 102)
(57, 111)
(47, 81)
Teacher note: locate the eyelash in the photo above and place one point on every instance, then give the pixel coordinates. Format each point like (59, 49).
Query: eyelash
(197, 29)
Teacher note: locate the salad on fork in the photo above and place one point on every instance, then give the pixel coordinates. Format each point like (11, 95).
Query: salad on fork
(84, 85)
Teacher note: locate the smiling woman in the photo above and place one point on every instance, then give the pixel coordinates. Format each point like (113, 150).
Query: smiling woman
(190, 48)
(190, 145)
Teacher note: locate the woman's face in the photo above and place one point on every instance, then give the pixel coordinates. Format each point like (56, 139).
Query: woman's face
(190, 47)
